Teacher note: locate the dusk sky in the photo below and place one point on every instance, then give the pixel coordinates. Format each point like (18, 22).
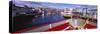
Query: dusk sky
(52, 5)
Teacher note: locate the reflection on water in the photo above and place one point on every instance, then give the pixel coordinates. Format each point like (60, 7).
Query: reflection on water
(47, 19)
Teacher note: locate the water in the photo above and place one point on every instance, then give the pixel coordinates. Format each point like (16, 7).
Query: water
(47, 19)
